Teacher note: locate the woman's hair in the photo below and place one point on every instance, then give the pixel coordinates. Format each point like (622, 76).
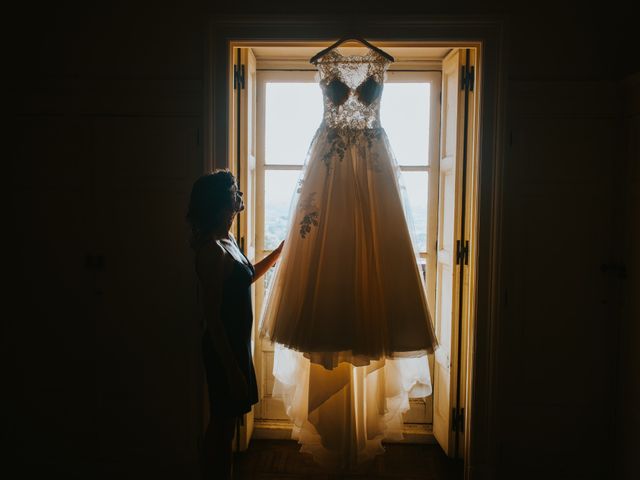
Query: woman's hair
(210, 203)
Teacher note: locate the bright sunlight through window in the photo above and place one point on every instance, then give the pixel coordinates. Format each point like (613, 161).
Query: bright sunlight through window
(293, 112)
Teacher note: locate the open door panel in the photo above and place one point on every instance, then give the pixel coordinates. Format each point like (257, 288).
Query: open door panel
(243, 166)
(447, 419)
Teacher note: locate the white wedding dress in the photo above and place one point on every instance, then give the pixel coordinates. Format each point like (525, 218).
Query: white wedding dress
(346, 307)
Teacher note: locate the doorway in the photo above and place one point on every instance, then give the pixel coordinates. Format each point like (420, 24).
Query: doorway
(289, 107)
(458, 245)
(278, 108)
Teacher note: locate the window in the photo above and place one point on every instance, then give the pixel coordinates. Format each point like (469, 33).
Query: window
(289, 111)
(430, 116)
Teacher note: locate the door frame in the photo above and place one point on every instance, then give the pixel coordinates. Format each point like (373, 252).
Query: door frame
(487, 35)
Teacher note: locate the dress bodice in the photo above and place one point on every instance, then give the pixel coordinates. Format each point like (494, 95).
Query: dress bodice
(351, 88)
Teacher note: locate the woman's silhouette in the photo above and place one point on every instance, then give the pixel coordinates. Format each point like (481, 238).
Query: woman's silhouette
(225, 277)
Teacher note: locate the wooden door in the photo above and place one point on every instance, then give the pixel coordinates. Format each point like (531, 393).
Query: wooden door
(447, 270)
(468, 218)
(245, 170)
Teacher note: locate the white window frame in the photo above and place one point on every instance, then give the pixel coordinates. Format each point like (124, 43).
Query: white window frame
(434, 78)
(421, 408)
(264, 77)
(309, 76)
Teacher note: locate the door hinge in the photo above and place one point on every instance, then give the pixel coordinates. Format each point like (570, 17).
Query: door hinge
(462, 252)
(467, 77)
(457, 420)
(238, 77)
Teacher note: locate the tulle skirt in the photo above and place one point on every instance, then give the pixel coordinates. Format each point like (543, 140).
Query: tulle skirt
(348, 286)
(341, 416)
(346, 307)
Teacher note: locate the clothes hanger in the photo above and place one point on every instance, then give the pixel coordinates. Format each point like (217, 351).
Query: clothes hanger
(321, 53)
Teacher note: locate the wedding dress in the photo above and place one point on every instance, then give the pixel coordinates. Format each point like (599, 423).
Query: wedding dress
(346, 306)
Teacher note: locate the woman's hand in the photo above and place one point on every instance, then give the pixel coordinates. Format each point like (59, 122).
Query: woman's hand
(267, 262)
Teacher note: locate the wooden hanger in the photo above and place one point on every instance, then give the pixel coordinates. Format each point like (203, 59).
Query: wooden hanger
(321, 53)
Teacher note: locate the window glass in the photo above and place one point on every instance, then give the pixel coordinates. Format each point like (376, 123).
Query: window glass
(416, 185)
(293, 112)
(279, 187)
(404, 114)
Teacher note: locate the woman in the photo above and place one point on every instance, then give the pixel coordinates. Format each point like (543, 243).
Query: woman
(225, 276)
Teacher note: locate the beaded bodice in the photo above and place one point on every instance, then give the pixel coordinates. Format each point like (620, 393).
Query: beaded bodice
(351, 87)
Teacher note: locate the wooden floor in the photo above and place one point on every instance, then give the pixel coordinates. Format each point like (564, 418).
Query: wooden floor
(280, 459)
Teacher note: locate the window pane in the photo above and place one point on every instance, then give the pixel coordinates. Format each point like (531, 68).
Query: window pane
(279, 187)
(293, 112)
(404, 114)
(417, 190)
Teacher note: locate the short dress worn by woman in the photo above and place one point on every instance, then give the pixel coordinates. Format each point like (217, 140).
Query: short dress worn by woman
(236, 314)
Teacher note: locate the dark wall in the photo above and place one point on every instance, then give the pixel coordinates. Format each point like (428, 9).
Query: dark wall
(628, 408)
(102, 338)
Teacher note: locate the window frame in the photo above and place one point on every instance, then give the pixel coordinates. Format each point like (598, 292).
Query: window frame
(262, 78)
(284, 75)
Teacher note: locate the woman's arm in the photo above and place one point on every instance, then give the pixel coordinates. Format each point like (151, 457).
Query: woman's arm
(212, 273)
(267, 262)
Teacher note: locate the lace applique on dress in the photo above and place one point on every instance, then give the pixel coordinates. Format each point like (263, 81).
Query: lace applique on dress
(310, 217)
